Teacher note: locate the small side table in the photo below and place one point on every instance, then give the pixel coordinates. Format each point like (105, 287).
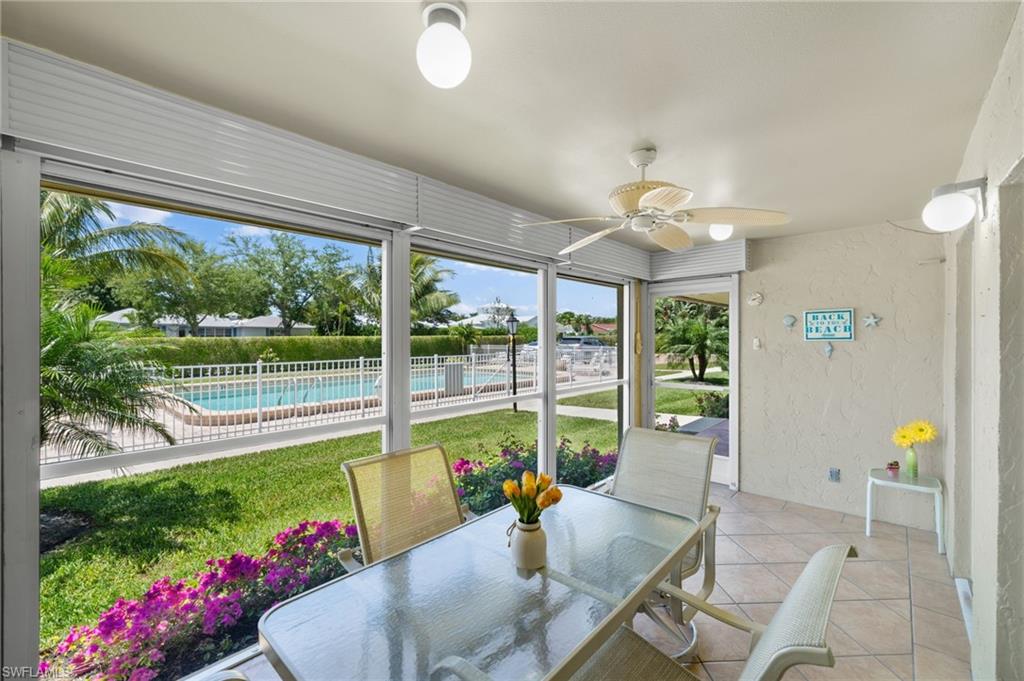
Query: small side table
(922, 483)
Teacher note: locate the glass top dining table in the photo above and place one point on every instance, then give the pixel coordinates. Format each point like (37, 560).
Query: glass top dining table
(459, 597)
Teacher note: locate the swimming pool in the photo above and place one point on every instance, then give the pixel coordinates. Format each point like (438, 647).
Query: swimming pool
(284, 392)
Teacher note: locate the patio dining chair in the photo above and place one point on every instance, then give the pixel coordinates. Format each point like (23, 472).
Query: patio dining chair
(401, 499)
(671, 472)
(795, 635)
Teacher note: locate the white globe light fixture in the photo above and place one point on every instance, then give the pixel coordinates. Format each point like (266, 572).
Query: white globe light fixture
(720, 232)
(442, 52)
(951, 208)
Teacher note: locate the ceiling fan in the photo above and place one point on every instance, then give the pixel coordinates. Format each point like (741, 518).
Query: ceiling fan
(658, 209)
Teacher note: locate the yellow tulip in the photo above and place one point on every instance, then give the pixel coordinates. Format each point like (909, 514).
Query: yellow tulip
(529, 478)
(555, 494)
(530, 489)
(511, 489)
(543, 482)
(544, 499)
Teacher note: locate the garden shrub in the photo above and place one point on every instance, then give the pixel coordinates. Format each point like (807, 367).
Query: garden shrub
(713, 403)
(193, 350)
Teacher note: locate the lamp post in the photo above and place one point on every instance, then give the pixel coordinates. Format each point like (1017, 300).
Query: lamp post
(513, 325)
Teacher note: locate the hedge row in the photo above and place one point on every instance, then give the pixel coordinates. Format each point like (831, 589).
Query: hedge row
(190, 350)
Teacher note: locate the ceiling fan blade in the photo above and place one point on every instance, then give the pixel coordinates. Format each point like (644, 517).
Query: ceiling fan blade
(665, 199)
(591, 239)
(750, 217)
(603, 218)
(670, 236)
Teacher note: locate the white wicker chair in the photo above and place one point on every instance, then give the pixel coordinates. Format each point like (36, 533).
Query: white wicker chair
(671, 472)
(795, 635)
(401, 499)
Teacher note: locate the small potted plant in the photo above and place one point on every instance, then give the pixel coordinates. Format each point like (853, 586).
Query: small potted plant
(893, 469)
(526, 537)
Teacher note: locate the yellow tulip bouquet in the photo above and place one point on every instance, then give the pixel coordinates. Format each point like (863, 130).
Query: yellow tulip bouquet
(915, 432)
(530, 500)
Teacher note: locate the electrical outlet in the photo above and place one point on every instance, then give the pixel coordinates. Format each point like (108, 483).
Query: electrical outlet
(833, 475)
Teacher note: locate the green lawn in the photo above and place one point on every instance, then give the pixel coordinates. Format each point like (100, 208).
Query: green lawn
(666, 400)
(169, 522)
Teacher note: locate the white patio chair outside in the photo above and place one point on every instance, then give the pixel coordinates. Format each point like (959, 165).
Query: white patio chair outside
(401, 499)
(795, 635)
(672, 472)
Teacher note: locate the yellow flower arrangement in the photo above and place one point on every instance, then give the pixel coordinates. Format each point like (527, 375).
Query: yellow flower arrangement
(536, 494)
(915, 432)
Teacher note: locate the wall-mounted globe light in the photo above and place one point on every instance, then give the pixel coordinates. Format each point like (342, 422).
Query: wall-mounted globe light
(720, 232)
(952, 207)
(442, 52)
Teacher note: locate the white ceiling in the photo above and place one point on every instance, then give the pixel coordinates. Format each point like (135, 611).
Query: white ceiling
(843, 114)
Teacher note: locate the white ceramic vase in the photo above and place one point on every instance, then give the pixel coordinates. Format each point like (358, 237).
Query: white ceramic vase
(529, 546)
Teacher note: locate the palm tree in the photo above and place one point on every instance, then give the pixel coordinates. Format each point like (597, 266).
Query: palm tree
(428, 302)
(694, 339)
(81, 228)
(91, 379)
(466, 333)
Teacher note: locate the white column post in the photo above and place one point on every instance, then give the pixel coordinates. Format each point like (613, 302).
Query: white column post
(19, 409)
(547, 419)
(395, 341)
(642, 345)
(735, 349)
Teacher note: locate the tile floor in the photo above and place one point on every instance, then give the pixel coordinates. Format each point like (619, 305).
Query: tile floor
(896, 616)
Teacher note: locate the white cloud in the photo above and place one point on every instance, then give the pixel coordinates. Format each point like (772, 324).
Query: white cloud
(249, 230)
(462, 308)
(124, 214)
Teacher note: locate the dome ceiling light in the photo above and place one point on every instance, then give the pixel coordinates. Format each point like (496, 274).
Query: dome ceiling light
(442, 52)
(952, 208)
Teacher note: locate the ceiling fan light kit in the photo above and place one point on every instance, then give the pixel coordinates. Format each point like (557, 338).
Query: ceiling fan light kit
(443, 54)
(658, 209)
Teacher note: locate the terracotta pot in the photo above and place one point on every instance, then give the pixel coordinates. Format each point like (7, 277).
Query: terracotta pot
(529, 546)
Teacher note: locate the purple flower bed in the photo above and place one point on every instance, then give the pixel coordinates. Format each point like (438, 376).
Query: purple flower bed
(479, 482)
(178, 626)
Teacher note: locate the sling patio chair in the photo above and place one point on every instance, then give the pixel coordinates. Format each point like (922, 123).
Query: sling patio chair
(401, 499)
(795, 635)
(671, 472)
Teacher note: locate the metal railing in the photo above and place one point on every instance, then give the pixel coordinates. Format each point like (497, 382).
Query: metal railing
(211, 402)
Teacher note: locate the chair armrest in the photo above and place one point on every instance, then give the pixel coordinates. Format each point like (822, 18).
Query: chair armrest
(460, 667)
(719, 614)
(349, 562)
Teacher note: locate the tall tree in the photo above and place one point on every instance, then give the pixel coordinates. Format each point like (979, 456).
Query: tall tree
(696, 340)
(208, 285)
(428, 302)
(292, 273)
(82, 229)
(498, 313)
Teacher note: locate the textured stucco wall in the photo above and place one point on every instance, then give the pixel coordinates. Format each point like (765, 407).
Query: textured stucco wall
(996, 393)
(802, 413)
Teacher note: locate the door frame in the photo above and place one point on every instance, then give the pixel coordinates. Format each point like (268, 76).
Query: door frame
(725, 470)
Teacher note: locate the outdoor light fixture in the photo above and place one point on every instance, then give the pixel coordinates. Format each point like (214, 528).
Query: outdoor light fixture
(720, 232)
(952, 207)
(512, 323)
(442, 52)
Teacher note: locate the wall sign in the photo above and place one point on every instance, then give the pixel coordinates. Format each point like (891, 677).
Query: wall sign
(829, 325)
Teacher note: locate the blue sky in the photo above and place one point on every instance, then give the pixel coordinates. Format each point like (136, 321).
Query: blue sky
(476, 284)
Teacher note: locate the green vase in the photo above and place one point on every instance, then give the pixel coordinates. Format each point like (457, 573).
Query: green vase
(911, 461)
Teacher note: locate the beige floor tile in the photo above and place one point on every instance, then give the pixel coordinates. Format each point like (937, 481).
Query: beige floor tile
(874, 626)
(717, 641)
(816, 514)
(847, 591)
(875, 547)
(930, 566)
(788, 522)
(935, 596)
(815, 541)
(742, 523)
(751, 583)
(931, 665)
(726, 671)
(941, 632)
(900, 665)
(755, 503)
(878, 528)
(727, 552)
(900, 606)
(864, 668)
(841, 643)
(879, 579)
(717, 597)
(771, 548)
